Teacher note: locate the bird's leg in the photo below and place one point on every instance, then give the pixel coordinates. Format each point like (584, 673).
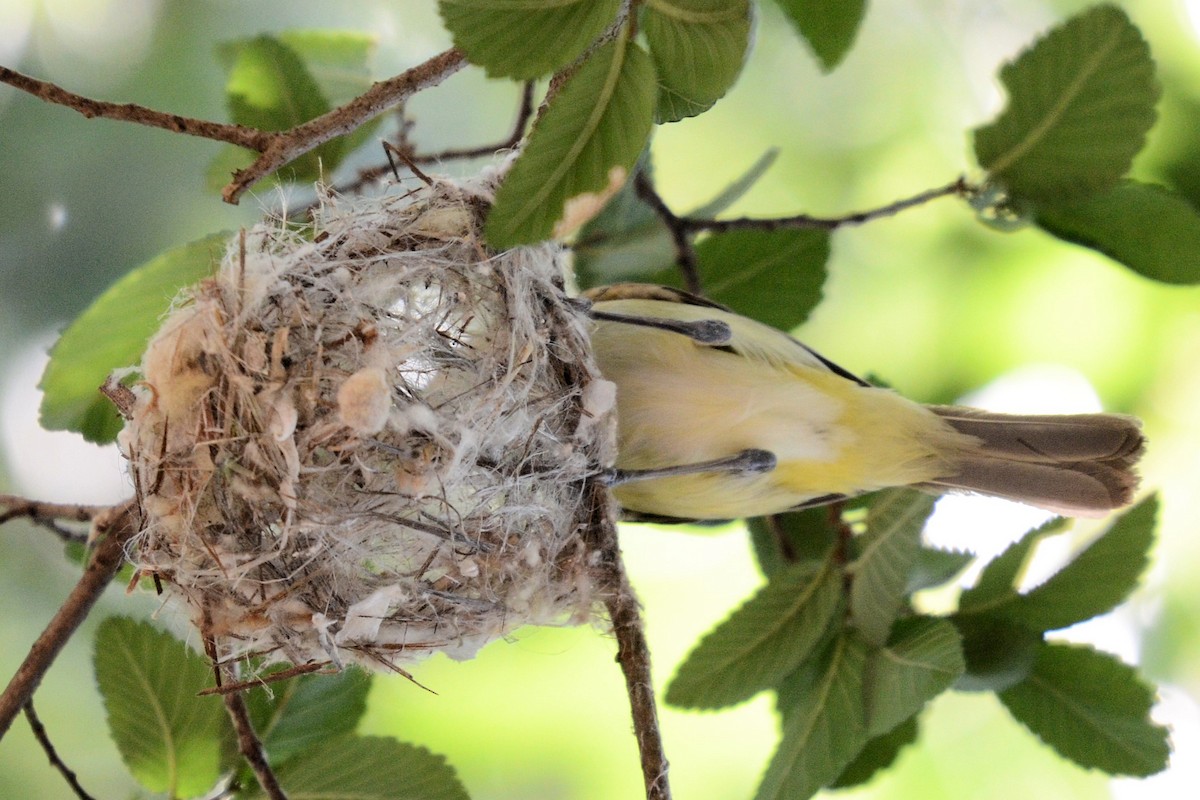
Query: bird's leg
(747, 462)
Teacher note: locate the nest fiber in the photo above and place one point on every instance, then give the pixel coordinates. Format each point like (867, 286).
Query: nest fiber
(371, 439)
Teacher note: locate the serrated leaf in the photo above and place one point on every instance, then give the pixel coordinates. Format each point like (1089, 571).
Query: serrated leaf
(1150, 229)
(878, 754)
(776, 277)
(824, 726)
(271, 88)
(1092, 709)
(923, 658)
(998, 654)
(302, 712)
(998, 581)
(698, 47)
(889, 549)
(585, 142)
(168, 737)
(525, 39)
(761, 642)
(829, 26)
(935, 567)
(112, 333)
(628, 241)
(368, 768)
(1096, 580)
(781, 540)
(1080, 103)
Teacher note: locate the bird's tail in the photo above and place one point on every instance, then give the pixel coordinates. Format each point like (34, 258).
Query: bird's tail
(1075, 464)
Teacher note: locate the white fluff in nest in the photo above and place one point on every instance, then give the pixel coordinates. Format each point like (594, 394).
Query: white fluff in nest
(368, 441)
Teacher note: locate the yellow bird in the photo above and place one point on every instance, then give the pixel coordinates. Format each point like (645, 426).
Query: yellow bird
(721, 417)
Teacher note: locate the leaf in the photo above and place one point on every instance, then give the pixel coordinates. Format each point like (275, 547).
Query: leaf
(761, 642)
(879, 753)
(781, 540)
(1080, 103)
(340, 63)
(998, 581)
(823, 725)
(168, 737)
(270, 88)
(368, 768)
(698, 47)
(922, 659)
(1096, 580)
(1092, 709)
(525, 39)
(584, 143)
(889, 550)
(935, 567)
(112, 333)
(829, 26)
(1150, 229)
(302, 712)
(998, 654)
(628, 241)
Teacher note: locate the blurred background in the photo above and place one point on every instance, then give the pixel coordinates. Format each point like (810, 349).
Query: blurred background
(930, 301)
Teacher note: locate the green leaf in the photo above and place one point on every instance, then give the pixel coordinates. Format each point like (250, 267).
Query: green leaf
(1150, 229)
(1092, 709)
(824, 726)
(879, 753)
(761, 642)
(889, 549)
(698, 47)
(829, 26)
(998, 581)
(112, 333)
(935, 567)
(300, 713)
(628, 241)
(168, 737)
(922, 659)
(368, 768)
(998, 653)
(525, 39)
(1096, 580)
(1080, 103)
(270, 88)
(781, 540)
(585, 142)
(776, 277)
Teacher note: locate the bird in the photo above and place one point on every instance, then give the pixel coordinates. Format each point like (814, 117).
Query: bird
(722, 417)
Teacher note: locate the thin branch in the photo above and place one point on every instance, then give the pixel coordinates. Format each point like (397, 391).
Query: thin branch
(251, 747)
(112, 530)
(19, 507)
(288, 145)
(957, 187)
(250, 138)
(633, 652)
(685, 252)
(39, 733)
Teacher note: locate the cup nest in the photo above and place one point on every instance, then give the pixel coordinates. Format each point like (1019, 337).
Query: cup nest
(371, 438)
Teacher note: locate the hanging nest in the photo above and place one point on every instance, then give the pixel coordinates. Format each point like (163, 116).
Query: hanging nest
(372, 438)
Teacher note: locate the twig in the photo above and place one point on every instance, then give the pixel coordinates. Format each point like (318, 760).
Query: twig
(633, 653)
(288, 145)
(15, 507)
(113, 529)
(276, 148)
(39, 733)
(805, 221)
(251, 747)
(685, 252)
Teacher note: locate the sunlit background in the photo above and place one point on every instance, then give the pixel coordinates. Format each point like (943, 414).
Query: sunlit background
(930, 301)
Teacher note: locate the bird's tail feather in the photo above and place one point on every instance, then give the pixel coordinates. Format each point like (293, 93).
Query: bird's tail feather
(1075, 464)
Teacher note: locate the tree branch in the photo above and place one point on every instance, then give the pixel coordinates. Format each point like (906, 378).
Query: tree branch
(39, 733)
(633, 652)
(251, 747)
(17, 507)
(113, 529)
(685, 252)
